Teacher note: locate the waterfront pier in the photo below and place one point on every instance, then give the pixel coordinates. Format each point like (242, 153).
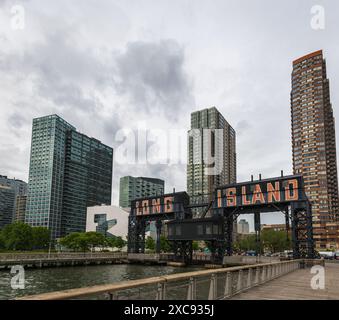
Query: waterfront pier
(276, 280)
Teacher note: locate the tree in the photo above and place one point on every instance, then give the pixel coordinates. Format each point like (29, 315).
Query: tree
(83, 241)
(195, 245)
(95, 239)
(164, 244)
(275, 241)
(2, 241)
(110, 242)
(71, 241)
(18, 236)
(120, 242)
(150, 243)
(40, 238)
(247, 243)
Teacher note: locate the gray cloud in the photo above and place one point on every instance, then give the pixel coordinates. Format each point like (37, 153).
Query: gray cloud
(102, 66)
(153, 76)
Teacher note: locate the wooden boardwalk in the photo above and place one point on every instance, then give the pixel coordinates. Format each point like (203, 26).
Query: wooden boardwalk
(296, 286)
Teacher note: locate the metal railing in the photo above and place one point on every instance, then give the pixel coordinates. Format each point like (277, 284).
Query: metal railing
(166, 256)
(31, 256)
(213, 284)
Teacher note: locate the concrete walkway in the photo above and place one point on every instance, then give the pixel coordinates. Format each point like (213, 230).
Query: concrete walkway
(296, 286)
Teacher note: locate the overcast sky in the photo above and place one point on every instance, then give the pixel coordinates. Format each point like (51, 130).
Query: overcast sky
(105, 65)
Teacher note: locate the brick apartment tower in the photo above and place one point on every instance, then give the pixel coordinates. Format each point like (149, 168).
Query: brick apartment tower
(314, 146)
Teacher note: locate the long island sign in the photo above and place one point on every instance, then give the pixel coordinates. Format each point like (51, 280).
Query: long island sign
(268, 191)
(159, 205)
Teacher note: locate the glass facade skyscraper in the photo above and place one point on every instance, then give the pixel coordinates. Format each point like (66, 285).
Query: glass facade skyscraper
(137, 187)
(61, 169)
(87, 179)
(18, 186)
(7, 198)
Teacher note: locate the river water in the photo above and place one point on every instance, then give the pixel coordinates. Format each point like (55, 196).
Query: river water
(54, 279)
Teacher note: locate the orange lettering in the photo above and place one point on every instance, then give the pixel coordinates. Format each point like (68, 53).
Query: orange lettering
(168, 202)
(257, 195)
(273, 192)
(231, 197)
(219, 199)
(138, 208)
(244, 198)
(294, 196)
(156, 206)
(145, 207)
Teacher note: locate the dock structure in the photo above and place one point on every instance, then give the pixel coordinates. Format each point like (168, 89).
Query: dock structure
(42, 260)
(28, 261)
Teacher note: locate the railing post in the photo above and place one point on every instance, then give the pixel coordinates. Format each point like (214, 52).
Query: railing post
(263, 274)
(249, 278)
(161, 291)
(239, 283)
(113, 296)
(269, 272)
(228, 285)
(191, 294)
(212, 295)
(257, 276)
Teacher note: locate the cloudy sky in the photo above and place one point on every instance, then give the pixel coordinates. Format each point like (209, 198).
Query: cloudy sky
(106, 65)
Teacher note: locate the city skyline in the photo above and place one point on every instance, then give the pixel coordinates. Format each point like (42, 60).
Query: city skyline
(91, 84)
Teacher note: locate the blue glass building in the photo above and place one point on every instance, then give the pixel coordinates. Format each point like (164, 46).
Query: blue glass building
(68, 172)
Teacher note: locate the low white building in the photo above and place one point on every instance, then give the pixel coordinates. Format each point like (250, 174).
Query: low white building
(110, 220)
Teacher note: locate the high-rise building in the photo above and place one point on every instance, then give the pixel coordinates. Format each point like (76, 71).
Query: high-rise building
(68, 172)
(18, 186)
(20, 208)
(7, 198)
(87, 179)
(211, 154)
(138, 187)
(314, 146)
(243, 227)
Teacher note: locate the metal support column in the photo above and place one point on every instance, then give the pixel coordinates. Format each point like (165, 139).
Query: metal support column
(257, 228)
(158, 227)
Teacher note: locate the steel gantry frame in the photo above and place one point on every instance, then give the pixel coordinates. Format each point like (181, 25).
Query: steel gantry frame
(298, 220)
